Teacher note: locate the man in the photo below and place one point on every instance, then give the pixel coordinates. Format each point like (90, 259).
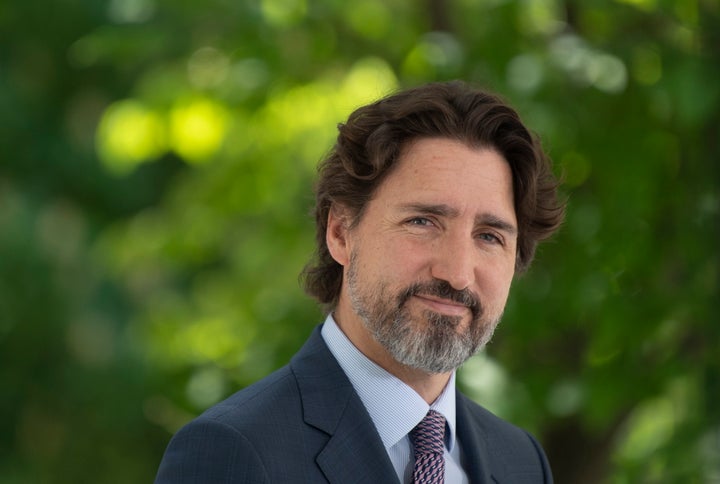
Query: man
(430, 202)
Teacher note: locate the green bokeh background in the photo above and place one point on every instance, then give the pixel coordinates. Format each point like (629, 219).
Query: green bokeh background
(156, 165)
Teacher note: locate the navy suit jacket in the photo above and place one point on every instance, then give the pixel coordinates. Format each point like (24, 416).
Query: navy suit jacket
(306, 424)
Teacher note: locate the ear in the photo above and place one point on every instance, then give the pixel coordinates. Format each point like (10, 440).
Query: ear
(336, 235)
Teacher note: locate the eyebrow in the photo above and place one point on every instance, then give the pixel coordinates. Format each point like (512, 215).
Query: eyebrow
(443, 210)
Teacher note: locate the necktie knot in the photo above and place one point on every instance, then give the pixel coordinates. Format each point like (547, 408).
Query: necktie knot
(429, 434)
(428, 439)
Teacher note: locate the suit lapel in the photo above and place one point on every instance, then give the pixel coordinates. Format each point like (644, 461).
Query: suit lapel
(474, 445)
(354, 452)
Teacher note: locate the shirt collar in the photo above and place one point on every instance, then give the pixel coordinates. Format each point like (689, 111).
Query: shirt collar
(394, 407)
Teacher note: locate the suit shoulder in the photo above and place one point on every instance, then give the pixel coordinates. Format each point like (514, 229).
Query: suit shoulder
(514, 451)
(210, 451)
(236, 440)
(265, 398)
(487, 420)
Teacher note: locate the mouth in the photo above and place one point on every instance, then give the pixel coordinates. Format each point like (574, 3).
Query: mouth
(443, 306)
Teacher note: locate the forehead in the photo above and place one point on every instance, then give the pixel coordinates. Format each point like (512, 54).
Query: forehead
(447, 171)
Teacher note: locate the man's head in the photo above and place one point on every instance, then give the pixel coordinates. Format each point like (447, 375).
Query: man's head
(371, 142)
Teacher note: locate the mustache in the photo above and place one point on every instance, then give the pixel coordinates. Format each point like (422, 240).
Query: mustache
(444, 290)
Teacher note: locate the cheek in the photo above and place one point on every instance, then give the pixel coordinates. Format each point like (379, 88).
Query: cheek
(396, 253)
(496, 284)
(408, 263)
(385, 264)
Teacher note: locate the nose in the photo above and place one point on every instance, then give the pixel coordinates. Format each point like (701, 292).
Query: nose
(454, 261)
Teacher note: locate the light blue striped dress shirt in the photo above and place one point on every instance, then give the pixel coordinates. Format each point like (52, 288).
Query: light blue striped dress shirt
(394, 407)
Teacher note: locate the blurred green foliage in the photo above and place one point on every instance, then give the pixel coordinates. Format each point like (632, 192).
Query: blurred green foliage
(156, 164)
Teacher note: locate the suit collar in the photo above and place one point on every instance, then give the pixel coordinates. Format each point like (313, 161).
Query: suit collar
(354, 451)
(474, 445)
(393, 406)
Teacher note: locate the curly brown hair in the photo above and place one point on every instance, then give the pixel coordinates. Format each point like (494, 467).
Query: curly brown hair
(370, 142)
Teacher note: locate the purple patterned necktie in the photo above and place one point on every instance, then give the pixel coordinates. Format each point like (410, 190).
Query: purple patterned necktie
(428, 439)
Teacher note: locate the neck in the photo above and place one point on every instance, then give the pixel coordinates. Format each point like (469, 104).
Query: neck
(428, 385)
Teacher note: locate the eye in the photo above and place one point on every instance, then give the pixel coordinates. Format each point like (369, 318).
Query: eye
(490, 238)
(420, 222)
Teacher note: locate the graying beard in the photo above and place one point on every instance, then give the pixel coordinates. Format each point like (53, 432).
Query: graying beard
(430, 352)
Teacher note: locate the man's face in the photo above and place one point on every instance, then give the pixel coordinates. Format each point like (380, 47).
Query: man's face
(428, 267)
